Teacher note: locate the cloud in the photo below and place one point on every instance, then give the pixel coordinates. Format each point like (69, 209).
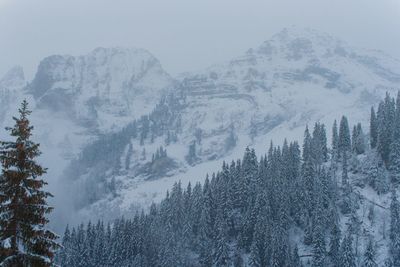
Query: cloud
(4, 2)
(184, 35)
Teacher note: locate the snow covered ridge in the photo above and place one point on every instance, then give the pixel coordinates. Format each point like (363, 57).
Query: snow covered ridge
(295, 78)
(270, 92)
(118, 82)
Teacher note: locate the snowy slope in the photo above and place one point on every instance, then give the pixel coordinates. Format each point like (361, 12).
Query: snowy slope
(268, 93)
(271, 92)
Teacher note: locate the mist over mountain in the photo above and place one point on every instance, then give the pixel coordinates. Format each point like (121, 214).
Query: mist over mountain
(117, 130)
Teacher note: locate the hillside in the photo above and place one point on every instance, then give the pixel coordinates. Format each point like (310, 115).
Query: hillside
(316, 206)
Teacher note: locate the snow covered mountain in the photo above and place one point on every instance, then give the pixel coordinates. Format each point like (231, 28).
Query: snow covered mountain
(13, 80)
(271, 92)
(105, 85)
(85, 107)
(77, 98)
(294, 78)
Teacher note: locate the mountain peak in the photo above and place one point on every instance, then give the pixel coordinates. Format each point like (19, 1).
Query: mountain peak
(294, 32)
(297, 42)
(121, 50)
(106, 80)
(13, 78)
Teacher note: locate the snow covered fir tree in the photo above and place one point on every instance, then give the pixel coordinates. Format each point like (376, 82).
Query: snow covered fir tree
(24, 239)
(310, 205)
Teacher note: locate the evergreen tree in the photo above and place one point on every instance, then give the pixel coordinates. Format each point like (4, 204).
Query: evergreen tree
(319, 250)
(377, 174)
(373, 129)
(206, 233)
(334, 245)
(345, 175)
(347, 201)
(23, 207)
(344, 143)
(335, 140)
(296, 262)
(346, 252)
(238, 260)
(249, 169)
(308, 177)
(385, 119)
(395, 229)
(259, 249)
(370, 255)
(319, 144)
(307, 146)
(170, 255)
(358, 144)
(66, 253)
(395, 146)
(222, 246)
(280, 251)
(394, 166)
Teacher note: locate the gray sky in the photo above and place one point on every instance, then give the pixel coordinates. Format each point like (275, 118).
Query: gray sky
(183, 34)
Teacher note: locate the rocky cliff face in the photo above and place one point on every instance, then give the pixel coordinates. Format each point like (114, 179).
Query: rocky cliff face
(296, 77)
(107, 84)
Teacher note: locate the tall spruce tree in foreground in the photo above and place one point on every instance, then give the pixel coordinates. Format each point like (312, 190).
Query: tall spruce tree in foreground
(24, 241)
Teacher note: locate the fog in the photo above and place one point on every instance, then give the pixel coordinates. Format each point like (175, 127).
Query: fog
(183, 35)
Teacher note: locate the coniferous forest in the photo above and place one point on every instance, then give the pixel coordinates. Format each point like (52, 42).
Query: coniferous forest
(297, 205)
(294, 206)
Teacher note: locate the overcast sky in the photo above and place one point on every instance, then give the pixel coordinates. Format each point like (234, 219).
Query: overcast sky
(183, 34)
